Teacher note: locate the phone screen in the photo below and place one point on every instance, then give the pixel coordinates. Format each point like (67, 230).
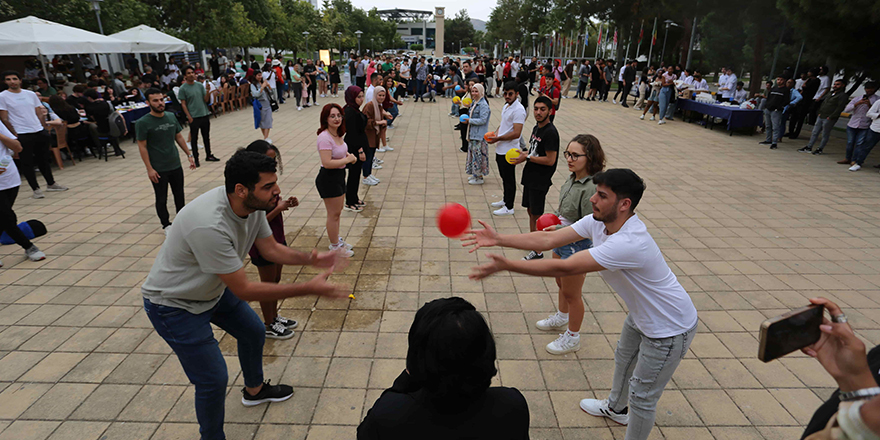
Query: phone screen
(792, 333)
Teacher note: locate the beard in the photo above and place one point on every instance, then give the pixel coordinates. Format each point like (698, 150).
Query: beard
(158, 109)
(607, 218)
(252, 202)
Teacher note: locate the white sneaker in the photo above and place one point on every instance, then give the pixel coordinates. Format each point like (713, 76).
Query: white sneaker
(299, 109)
(652, 118)
(661, 122)
(269, 140)
(503, 211)
(381, 150)
(614, 101)
(855, 167)
(376, 166)
(475, 181)
(375, 179)
(498, 204)
(341, 243)
(369, 182)
(642, 117)
(378, 161)
(34, 253)
(387, 148)
(345, 252)
(564, 344)
(553, 322)
(38, 194)
(599, 408)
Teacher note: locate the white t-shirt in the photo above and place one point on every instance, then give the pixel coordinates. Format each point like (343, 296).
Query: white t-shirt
(368, 95)
(700, 85)
(270, 78)
(511, 114)
(21, 108)
(514, 69)
(824, 84)
(10, 177)
(658, 304)
(730, 83)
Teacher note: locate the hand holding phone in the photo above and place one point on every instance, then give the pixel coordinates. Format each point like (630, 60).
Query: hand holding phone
(791, 331)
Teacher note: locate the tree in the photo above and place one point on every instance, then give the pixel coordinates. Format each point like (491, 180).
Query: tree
(458, 30)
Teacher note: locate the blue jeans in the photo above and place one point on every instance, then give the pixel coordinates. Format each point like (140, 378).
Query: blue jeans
(191, 338)
(773, 125)
(642, 368)
(822, 127)
(570, 249)
(369, 154)
(864, 148)
(665, 95)
(394, 112)
(420, 89)
(854, 137)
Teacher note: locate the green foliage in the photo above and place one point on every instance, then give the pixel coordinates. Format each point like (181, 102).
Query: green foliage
(417, 47)
(459, 31)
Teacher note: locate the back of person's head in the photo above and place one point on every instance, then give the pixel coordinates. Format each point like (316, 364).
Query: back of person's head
(79, 88)
(92, 93)
(244, 167)
(263, 147)
(624, 183)
(58, 103)
(451, 351)
(522, 76)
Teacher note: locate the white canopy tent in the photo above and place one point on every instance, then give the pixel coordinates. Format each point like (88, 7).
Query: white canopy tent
(145, 39)
(35, 36)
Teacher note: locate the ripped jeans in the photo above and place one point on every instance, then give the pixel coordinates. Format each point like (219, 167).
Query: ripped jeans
(642, 368)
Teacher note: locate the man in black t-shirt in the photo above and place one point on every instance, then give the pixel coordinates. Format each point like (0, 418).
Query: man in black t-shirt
(533, 73)
(99, 111)
(540, 165)
(311, 71)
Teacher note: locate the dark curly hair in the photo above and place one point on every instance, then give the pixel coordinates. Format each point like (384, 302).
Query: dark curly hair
(244, 167)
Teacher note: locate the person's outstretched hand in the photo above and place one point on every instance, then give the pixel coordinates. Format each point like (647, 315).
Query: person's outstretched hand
(486, 237)
(319, 286)
(332, 259)
(496, 263)
(840, 351)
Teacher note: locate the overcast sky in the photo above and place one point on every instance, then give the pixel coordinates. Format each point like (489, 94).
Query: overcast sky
(479, 9)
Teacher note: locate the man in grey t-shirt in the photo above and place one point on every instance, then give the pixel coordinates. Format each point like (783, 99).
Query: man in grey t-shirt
(199, 267)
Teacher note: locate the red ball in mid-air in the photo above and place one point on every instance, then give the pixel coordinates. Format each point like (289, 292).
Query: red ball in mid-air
(453, 220)
(546, 220)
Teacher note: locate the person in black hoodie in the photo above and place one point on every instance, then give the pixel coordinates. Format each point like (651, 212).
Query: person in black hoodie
(779, 97)
(356, 139)
(444, 391)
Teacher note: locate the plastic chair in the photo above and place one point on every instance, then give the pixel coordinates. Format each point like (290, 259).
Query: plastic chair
(243, 95)
(217, 105)
(228, 95)
(61, 137)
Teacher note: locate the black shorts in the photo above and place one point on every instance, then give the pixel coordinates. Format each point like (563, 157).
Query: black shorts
(330, 183)
(533, 200)
(259, 261)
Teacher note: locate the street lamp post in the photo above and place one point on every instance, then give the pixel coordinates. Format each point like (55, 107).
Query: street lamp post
(339, 34)
(549, 44)
(534, 50)
(668, 23)
(359, 33)
(96, 6)
(373, 46)
(306, 34)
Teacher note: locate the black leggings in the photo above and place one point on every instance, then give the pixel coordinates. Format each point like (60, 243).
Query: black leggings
(313, 92)
(297, 92)
(508, 179)
(166, 178)
(354, 181)
(35, 151)
(201, 125)
(619, 90)
(8, 219)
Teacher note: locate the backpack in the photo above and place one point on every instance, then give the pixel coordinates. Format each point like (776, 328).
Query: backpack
(117, 123)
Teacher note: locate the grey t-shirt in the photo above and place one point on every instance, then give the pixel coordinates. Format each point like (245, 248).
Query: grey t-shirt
(207, 239)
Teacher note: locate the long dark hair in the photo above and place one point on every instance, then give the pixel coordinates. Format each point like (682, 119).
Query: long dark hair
(262, 147)
(325, 117)
(451, 351)
(59, 105)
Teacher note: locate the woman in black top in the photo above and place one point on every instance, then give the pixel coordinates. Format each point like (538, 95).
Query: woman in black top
(444, 392)
(78, 136)
(335, 80)
(356, 139)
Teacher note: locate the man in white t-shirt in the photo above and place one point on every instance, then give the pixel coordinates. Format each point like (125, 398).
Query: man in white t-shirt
(662, 319)
(23, 114)
(507, 136)
(514, 67)
(9, 184)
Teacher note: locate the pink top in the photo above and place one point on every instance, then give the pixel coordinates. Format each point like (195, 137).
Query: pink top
(326, 142)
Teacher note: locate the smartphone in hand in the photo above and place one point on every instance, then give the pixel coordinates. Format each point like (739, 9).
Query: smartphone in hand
(789, 332)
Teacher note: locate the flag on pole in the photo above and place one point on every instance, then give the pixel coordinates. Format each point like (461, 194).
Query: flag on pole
(599, 41)
(641, 31)
(615, 36)
(654, 37)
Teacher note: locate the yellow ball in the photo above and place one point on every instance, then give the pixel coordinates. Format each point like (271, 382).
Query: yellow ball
(511, 155)
(456, 100)
(466, 101)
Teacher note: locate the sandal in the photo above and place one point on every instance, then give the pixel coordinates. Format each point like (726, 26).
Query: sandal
(361, 203)
(353, 208)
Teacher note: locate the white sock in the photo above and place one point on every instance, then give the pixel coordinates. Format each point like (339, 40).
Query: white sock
(562, 315)
(572, 334)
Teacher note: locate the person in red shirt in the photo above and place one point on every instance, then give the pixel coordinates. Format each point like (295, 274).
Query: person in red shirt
(279, 80)
(506, 72)
(550, 88)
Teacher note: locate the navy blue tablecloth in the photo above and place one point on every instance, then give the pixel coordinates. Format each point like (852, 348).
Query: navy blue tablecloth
(131, 116)
(736, 117)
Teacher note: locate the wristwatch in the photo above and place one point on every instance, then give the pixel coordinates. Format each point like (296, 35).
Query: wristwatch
(189, 155)
(863, 393)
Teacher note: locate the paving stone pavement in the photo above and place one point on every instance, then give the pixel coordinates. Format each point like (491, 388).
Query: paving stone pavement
(749, 232)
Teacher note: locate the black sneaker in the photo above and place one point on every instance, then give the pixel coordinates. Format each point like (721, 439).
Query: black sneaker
(817, 152)
(211, 158)
(277, 330)
(289, 323)
(806, 150)
(196, 160)
(773, 146)
(533, 256)
(764, 143)
(269, 393)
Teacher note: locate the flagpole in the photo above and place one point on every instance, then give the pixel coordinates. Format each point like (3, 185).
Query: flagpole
(639, 46)
(598, 40)
(629, 43)
(653, 34)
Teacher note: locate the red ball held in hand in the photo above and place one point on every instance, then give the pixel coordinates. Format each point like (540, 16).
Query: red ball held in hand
(546, 220)
(453, 220)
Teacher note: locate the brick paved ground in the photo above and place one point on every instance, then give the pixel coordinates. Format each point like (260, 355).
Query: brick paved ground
(749, 232)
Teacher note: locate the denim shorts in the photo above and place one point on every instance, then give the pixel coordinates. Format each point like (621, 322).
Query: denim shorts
(569, 249)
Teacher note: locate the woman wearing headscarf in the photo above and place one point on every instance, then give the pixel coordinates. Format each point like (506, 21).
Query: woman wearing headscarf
(356, 139)
(477, 125)
(375, 131)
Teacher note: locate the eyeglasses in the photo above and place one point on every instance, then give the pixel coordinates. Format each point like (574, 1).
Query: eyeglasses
(509, 93)
(573, 156)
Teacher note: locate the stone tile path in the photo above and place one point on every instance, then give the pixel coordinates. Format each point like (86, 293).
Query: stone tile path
(750, 233)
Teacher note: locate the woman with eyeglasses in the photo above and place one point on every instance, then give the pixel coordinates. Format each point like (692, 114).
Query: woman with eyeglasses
(585, 158)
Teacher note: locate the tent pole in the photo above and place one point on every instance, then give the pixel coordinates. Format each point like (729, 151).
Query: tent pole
(45, 69)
